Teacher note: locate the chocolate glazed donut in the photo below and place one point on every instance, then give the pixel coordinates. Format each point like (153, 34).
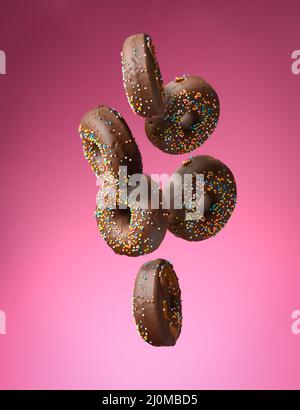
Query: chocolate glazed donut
(157, 303)
(219, 199)
(191, 114)
(141, 76)
(108, 143)
(132, 229)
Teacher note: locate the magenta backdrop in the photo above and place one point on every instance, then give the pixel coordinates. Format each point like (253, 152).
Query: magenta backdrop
(66, 295)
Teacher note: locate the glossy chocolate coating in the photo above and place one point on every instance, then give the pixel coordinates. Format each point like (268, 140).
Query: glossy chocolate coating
(141, 76)
(191, 114)
(157, 303)
(108, 143)
(136, 230)
(219, 199)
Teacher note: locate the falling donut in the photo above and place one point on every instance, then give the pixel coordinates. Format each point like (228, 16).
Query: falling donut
(108, 142)
(191, 114)
(141, 76)
(157, 303)
(131, 228)
(220, 196)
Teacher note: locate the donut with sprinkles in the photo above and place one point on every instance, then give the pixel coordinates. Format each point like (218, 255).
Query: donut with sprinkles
(157, 306)
(142, 78)
(108, 142)
(191, 114)
(130, 228)
(220, 196)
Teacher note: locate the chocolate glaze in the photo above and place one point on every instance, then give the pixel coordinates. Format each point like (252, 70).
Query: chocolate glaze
(141, 76)
(133, 231)
(191, 114)
(157, 303)
(108, 143)
(219, 199)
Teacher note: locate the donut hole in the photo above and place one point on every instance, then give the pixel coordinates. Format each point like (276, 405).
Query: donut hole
(171, 304)
(93, 152)
(189, 119)
(122, 217)
(210, 200)
(96, 153)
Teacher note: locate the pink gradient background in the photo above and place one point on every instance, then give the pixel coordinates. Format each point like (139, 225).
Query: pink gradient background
(66, 295)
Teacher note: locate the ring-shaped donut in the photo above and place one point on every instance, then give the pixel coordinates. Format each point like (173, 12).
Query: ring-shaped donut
(157, 303)
(130, 228)
(220, 196)
(108, 142)
(142, 79)
(191, 114)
